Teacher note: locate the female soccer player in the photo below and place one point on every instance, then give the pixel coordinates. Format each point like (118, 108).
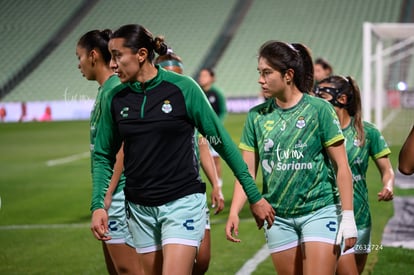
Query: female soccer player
(94, 57)
(215, 96)
(362, 140)
(173, 62)
(154, 115)
(297, 140)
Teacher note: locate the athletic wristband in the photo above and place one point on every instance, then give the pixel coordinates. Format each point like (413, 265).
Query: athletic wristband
(347, 228)
(348, 224)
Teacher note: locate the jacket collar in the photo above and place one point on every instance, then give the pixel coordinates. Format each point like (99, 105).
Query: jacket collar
(140, 87)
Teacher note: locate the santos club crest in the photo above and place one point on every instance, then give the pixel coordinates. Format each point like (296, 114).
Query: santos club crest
(166, 107)
(301, 122)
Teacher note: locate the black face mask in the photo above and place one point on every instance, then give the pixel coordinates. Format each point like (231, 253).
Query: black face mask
(335, 93)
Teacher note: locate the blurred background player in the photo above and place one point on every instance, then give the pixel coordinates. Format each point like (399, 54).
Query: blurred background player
(47, 115)
(363, 141)
(120, 257)
(3, 113)
(173, 62)
(321, 70)
(215, 96)
(23, 115)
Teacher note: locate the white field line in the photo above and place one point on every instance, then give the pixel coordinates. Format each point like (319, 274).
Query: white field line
(252, 263)
(73, 225)
(43, 226)
(60, 161)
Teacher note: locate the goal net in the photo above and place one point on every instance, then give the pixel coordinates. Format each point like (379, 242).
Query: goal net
(388, 78)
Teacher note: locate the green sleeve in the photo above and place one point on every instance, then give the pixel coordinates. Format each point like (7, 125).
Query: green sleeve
(209, 125)
(378, 147)
(248, 140)
(106, 146)
(331, 131)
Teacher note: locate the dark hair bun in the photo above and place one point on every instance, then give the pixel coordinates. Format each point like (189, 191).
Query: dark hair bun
(159, 46)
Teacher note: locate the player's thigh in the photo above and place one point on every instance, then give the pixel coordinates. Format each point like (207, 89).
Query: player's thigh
(204, 253)
(204, 250)
(346, 265)
(178, 259)
(354, 259)
(108, 260)
(319, 258)
(152, 262)
(125, 258)
(288, 262)
(361, 260)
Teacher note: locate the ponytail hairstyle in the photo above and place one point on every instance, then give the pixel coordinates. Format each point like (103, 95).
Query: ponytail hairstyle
(98, 40)
(137, 37)
(348, 86)
(282, 56)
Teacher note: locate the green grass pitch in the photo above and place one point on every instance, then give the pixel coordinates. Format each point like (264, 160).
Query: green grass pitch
(45, 196)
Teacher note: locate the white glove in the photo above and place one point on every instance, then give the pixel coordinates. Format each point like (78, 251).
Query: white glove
(347, 227)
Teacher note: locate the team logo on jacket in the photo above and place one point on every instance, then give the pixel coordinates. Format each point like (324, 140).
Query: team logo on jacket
(301, 122)
(166, 107)
(124, 112)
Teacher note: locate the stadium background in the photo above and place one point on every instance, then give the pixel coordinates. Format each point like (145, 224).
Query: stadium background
(39, 64)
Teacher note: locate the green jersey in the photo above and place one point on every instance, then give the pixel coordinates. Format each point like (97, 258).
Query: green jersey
(96, 125)
(375, 147)
(297, 174)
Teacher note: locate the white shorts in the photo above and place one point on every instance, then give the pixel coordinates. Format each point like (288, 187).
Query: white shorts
(286, 233)
(182, 221)
(117, 223)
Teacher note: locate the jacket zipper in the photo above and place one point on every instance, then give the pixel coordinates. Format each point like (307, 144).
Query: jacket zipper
(143, 101)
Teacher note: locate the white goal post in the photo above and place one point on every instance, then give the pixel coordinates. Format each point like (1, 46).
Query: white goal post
(383, 45)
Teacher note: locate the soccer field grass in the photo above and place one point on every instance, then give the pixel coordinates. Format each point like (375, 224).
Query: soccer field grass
(45, 188)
